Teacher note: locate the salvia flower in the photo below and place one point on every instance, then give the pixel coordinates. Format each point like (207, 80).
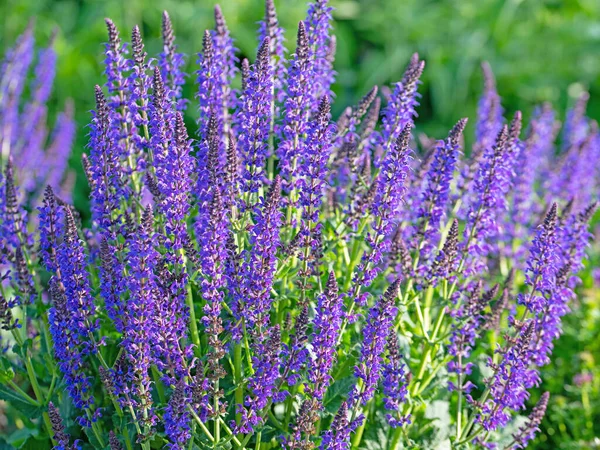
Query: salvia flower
(527, 432)
(255, 120)
(375, 334)
(63, 440)
(436, 194)
(400, 110)
(394, 382)
(296, 109)
(171, 63)
(177, 418)
(322, 45)
(326, 329)
(269, 27)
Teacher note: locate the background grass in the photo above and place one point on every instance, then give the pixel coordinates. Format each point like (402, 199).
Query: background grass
(540, 50)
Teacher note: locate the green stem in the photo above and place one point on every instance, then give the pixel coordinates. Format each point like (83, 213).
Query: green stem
(193, 324)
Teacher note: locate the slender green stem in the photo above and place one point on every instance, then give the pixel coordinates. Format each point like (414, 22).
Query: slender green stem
(201, 424)
(193, 324)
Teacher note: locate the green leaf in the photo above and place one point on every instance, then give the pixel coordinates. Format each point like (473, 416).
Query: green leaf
(18, 402)
(33, 443)
(6, 375)
(337, 393)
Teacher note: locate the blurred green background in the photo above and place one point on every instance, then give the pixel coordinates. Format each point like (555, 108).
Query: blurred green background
(540, 50)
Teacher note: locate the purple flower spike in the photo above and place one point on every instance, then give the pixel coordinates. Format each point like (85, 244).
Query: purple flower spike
(51, 226)
(71, 318)
(326, 329)
(140, 327)
(177, 418)
(255, 120)
(171, 64)
(400, 110)
(489, 113)
(390, 190)
(269, 27)
(375, 334)
(527, 432)
(435, 197)
(13, 76)
(259, 270)
(541, 265)
(312, 170)
(174, 180)
(394, 380)
(296, 110)
(489, 199)
(532, 161)
(322, 45)
(104, 167)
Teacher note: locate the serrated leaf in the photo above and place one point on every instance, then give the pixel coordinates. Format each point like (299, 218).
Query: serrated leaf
(337, 393)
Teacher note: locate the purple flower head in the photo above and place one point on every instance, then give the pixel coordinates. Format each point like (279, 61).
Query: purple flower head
(390, 189)
(29, 151)
(58, 429)
(255, 120)
(576, 123)
(337, 437)
(214, 93)
(446, 260)
(13, 76)
(435, 197)
(13, 232)
(527, 432)
(531, 162)
(541, 265)
(375, 334)
(489, 113)
(140, 84)
(105, 176)
(312, 169)
(111, 284)
(296, 109)
(326, 329)
(71, 318)
(173, 173)
(510, 380)
(269, 27)
(57, 154)
(470, 320)
(140, 327)
(400, 110)
(118, 83)
(263, 384)
(171, 64)
(261, 262)
(488, 200)
(394, 381)
(296, 353)
(322, 49)
(177, 418)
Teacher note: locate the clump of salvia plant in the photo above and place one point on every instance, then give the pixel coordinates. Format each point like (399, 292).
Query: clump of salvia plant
(278, 280)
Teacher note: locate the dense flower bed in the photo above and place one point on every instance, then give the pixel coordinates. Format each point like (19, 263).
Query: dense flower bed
(283, 281)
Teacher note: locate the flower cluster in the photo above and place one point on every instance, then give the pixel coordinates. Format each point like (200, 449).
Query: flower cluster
(278, 279)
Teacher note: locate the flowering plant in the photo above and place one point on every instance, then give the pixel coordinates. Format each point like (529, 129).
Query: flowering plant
(283, 281)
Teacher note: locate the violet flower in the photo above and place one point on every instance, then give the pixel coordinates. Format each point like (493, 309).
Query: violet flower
(269, 27)
(322, 48)
(171, 64)
(255, 121)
